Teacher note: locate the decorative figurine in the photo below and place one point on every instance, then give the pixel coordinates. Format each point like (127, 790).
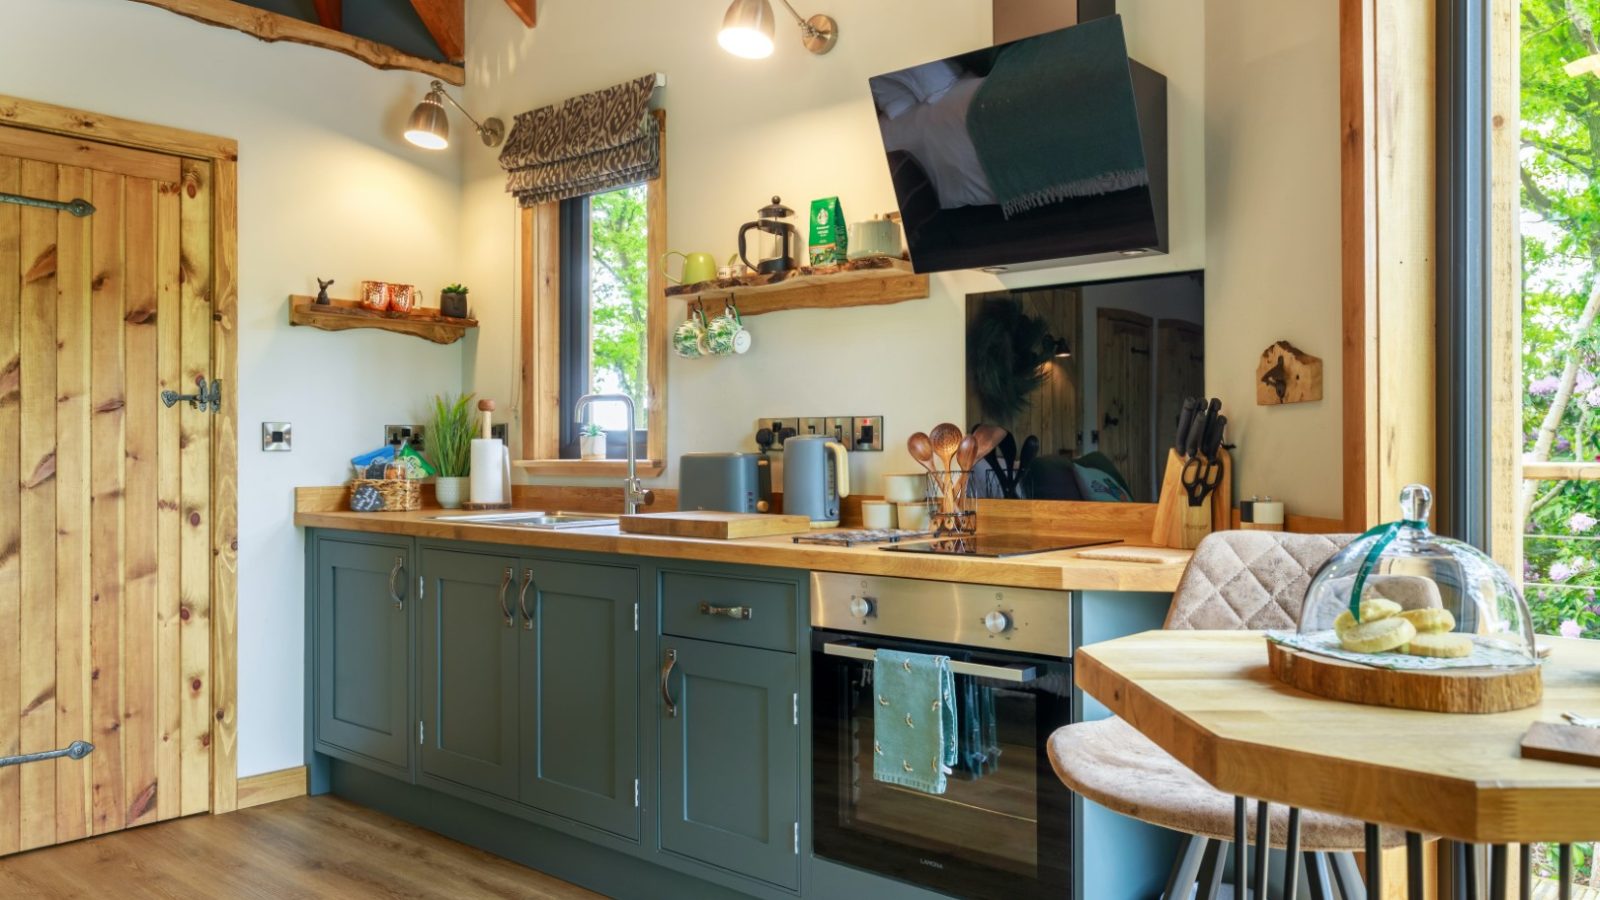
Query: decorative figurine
(322, 291)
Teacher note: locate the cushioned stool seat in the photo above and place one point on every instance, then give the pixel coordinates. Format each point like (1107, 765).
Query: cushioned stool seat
(1110, 762)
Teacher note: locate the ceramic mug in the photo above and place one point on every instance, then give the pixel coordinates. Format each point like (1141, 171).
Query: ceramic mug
(697, 267)
(689, 341)
(877, 237)
(726, 334)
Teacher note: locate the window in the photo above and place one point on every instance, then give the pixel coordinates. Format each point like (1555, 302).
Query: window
(604, 315)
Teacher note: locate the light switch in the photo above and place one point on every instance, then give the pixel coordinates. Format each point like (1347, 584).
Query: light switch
(276, 437)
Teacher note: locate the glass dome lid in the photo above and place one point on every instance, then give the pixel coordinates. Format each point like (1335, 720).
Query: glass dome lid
(1426, 601)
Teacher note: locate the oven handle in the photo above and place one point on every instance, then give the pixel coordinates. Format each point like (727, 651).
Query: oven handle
(1017, 674)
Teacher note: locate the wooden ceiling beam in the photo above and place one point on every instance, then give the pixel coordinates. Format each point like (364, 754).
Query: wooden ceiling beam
(446, 20)
(330, 13)
(526, 10)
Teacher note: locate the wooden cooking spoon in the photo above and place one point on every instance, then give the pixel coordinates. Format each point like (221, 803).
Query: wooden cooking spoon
(988, 438)
(946, 438)
(921, 447)
(966, 458)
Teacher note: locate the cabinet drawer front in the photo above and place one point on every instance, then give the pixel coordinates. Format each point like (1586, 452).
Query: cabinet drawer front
(728, 609)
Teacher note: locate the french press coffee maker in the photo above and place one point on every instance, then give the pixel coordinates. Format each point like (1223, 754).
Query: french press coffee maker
(777, 245)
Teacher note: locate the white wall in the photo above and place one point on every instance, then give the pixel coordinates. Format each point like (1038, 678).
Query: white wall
(802, 127)
(326, 187)
(1272, 237)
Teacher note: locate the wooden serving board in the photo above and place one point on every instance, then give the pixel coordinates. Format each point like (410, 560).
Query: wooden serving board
(1562, 743)
(1483, 690)
(714, 525)
(1157, 556)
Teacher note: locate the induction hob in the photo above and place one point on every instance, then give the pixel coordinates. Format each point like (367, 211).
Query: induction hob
(997, 545)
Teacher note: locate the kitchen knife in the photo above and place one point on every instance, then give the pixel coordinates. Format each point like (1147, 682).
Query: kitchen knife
(1197, 432)
(1213, 439)
(1185, 420)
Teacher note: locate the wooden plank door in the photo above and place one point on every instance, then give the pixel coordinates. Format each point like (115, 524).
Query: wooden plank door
(1124, 415)
(1180, 373)
(105, 495)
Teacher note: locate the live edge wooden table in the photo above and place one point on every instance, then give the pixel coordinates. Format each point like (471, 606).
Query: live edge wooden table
(1207, 698)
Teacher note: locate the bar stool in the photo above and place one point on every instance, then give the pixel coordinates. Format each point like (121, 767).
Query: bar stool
(1236, 580)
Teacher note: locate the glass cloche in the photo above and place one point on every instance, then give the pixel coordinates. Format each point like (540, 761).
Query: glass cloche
(1427, 602)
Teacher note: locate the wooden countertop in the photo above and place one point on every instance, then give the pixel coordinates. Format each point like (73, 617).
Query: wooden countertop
(1208, 699)
(1061, 570)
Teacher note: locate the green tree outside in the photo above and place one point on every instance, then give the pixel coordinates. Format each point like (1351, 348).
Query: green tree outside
(619, 292)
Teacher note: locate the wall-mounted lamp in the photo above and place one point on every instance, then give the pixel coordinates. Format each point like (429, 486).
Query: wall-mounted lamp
(429, 127)
(1058, 347)
(747, 29)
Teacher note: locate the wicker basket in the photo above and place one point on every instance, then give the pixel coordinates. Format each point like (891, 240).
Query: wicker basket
(394, 495)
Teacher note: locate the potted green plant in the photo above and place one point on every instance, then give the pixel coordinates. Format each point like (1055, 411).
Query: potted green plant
(454, 424)
(591, 441)
(453, 301)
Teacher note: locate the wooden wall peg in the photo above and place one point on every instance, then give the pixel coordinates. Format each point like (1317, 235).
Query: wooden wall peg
(1287, 374)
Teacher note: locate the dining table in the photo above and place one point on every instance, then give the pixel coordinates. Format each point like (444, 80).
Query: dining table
(1209, 699)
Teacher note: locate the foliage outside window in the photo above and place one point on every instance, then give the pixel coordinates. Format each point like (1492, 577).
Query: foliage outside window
(605, 310)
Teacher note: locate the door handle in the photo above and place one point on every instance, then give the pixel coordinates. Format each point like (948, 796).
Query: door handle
(74, 750)
(732, 612)
(666, 684)
(505, 582)
(522, 600)
(394, 592)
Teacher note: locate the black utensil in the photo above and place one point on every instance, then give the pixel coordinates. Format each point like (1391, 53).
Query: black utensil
(1197, 432)
(1008, 454)
(1030, 452)
(1213, 439)
(1185, 419)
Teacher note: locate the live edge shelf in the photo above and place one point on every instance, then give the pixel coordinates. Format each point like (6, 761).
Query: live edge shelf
(874, 282)
(343, 315)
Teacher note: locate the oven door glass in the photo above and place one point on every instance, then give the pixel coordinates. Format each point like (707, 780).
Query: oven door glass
(1003, 827)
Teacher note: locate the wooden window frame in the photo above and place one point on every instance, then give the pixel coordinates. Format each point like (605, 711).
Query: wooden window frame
(539, 380)
(222, 156)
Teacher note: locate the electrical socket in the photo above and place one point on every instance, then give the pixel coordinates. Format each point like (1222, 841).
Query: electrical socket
(863, 433)
(502, 431)
(406, 433)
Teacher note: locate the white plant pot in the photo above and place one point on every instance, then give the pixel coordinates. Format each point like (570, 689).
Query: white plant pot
(592, 447)
(448, 491)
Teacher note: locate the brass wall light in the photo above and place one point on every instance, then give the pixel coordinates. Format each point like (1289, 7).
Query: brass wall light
(747, 29)
(429, 127)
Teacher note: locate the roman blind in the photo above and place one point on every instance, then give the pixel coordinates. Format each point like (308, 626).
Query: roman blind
(584, 145)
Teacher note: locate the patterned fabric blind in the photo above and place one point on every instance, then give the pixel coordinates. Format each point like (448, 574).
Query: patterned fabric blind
(588, 144)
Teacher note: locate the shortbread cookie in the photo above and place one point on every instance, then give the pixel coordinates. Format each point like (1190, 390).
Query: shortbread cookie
(1377, 635)
(1429, 621)
(1441, 645)
(1371, 611)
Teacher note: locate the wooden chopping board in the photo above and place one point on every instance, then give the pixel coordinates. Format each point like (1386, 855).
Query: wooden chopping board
(713, 525)
(1562, 743)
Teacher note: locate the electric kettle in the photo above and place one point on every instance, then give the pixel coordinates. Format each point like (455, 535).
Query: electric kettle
(778, 245)
(816, 478)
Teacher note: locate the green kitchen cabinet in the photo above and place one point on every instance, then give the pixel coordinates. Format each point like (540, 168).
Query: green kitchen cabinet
(579, 695)
(730, 758)
(469, 634)
(361, 648)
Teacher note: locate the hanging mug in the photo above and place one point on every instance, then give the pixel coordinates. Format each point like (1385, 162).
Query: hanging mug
(726, 334)
(689, 341)
(697, 267)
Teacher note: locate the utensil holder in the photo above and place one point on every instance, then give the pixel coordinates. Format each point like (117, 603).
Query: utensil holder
(1182, 526)
(952, 503)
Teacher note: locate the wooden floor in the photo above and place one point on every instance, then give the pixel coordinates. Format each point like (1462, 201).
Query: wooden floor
(307, 847)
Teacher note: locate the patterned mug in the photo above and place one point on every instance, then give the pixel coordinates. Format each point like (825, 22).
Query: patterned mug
(726, 334)
(689, 341)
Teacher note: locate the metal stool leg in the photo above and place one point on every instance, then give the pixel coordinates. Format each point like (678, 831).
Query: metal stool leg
(1525, 881)
(1347, 875)
(1211, 865)
(1319, 880)
(1241, 844)
(1374, 862)
(1416, 886)
(1291, 856)
(1499, 872)
(1564, 854)
(1186, 868)
(1263, 848)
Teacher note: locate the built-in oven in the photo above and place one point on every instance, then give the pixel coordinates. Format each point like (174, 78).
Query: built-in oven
(1003, 827)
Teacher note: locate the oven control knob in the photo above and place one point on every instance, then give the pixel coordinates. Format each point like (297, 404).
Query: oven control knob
(997, 622)
(863, 607)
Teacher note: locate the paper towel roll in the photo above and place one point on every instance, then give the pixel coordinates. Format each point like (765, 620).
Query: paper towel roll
(488, 471)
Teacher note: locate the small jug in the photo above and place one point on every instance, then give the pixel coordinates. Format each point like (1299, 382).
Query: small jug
(697, 267)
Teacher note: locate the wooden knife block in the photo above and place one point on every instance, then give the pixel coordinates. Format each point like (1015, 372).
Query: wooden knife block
(1183, 526)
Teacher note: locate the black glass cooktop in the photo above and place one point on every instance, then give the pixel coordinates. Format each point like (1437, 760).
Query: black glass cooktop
(997, 545)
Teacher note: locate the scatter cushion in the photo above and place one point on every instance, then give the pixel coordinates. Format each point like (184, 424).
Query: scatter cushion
(1100, 487)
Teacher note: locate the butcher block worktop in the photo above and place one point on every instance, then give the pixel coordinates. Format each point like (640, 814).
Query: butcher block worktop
(1062, 570)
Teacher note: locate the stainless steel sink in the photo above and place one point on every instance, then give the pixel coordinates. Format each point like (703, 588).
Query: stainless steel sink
(553, 521)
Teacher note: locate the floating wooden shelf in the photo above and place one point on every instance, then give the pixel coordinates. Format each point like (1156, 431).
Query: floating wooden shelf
(343, 315)
(868, 282)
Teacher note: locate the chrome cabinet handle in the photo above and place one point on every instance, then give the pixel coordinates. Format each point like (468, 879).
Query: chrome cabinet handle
(394, 592)
(666, 684)
(522, 600)
(505, 610)
(732, 612)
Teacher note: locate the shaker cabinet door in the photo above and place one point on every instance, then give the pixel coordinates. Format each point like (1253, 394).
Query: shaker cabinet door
(579, 692)
(361, 652)
(468, 663)
(730, 757)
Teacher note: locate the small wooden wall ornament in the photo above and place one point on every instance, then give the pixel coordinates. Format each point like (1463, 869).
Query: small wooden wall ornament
(1287, 374)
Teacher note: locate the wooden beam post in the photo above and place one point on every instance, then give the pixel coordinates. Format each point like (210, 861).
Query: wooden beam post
(330, 13)
(446, 20)
(526, 10)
